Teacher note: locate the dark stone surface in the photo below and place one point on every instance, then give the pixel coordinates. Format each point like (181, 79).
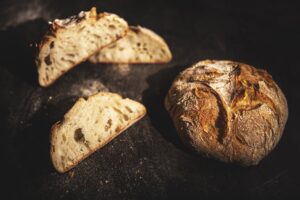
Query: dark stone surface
(147, 161)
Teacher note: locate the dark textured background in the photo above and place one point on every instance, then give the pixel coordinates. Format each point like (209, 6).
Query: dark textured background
(147, 161)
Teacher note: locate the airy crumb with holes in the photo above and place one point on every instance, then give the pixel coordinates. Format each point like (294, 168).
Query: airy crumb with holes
(140, 45)
(89, 125)
(71, 41)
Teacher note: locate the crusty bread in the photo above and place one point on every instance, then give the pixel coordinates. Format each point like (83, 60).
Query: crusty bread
(72, 40)
(228, 110)
(89, 125)
(140, 45)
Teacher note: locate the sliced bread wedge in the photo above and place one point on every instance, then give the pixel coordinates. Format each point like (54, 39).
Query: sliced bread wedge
(73, 40)
(89, 125)
(140, 45)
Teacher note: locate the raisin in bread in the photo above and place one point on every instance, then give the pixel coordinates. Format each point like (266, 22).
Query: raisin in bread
(73, 40)
(140, 45)
(89, 125)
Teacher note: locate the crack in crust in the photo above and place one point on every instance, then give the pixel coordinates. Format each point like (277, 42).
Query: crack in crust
(228, 110)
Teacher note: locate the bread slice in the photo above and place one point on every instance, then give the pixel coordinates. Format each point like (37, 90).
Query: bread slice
(73, 40)
(140, 45)
(89, 125)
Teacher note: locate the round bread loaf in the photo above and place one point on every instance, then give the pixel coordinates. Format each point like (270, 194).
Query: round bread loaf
(228, 110)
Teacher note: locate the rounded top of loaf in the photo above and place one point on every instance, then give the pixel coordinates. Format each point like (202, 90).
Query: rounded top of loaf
(228, 110)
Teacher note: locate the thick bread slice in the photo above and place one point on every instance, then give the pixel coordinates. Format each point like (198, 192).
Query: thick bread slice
(140, 45)
(74, 40)
(89, 125)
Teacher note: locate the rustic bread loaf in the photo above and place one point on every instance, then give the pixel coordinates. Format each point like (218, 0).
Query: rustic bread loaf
(89, 125)
(228, 110)
(73, 40)
(140, 45)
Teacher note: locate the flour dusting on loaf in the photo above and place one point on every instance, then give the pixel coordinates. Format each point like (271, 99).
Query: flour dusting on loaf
(228, 110)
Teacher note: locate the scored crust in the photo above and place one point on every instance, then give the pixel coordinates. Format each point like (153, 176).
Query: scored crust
(228, 110)
(140, 45)
(72, 40)
(108, 104)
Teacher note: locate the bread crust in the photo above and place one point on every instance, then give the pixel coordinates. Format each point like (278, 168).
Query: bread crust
(228, 110)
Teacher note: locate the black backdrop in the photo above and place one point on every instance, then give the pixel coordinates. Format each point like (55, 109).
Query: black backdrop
(147, 161)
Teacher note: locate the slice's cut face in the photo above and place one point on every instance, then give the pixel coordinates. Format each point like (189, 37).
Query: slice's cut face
(89, 125)
(140, 45)
(74, 40)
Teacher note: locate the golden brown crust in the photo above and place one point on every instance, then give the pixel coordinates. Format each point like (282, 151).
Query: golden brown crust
(228, 110)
